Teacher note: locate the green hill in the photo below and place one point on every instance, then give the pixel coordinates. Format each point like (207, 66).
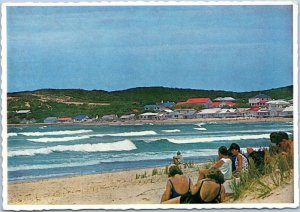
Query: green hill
(71, 102)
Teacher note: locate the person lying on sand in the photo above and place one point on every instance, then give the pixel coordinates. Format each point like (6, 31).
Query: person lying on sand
(207, 190)
(177, 185)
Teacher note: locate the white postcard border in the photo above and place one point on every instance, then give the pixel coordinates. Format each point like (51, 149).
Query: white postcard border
(6, 206)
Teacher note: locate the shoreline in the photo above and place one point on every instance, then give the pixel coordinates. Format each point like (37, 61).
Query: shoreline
(139, 186)
(165, 121)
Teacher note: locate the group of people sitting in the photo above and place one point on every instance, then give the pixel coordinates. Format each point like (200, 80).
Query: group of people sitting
(211, 186)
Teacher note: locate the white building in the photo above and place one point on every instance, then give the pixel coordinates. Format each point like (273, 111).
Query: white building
(277, 106)
(208, 113)
(287, 112)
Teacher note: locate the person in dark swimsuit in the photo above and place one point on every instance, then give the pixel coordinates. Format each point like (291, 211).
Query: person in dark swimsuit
(177, 185)
(206, 191)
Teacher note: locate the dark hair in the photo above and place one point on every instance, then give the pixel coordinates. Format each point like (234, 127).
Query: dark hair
(276, 137)
(216, 174)
(178, 153)
(173, 170)
(234, 146)
(223, 150)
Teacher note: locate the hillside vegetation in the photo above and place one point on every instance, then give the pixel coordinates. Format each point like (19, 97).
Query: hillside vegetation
(71, 102)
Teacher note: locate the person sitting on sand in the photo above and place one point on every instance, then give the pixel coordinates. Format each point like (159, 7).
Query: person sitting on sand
(258, 158)
(177, 184)
(178, 159)
(207, 190)
(241, 161)
(282, 142)
(224, 163)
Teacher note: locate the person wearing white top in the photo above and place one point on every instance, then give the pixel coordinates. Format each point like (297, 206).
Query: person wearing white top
(225, 163)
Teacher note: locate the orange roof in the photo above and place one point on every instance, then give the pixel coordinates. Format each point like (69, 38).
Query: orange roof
(254, 109)
(229, 103)
(65, 119)
(216, 104)
(180, 103)
(198, 100)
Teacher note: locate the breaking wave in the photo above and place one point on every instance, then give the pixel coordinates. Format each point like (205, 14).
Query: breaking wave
(63, 132)
(200, 128)
(171, 131)
(141, 133)
(125, 145)
(63, 139)
(12, 134)
(211, 139)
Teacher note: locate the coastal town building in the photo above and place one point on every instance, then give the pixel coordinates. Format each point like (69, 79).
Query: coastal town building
(277, 106)
(127, 117)
(111, 117)
(223, 104)
(148, 116)
(208, 113)
(225, 99)
(50, 120)
(65, 120)
(259, 100)
(159, 106)
(204, 102)
(81, 118)
(287, 112)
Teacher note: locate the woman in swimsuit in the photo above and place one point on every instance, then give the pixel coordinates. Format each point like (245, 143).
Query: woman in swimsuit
(177, 185)
(208, 190)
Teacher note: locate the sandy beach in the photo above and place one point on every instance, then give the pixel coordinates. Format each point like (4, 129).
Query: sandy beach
(126, 187)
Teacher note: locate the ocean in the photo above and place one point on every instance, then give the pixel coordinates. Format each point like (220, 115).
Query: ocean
(39, 152)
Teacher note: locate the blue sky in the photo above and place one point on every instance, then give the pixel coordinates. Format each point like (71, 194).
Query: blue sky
(233, 48)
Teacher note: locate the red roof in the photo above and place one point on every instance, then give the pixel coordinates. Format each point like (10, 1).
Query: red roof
(263, 101)
(64, 119)
(229, 103)
(135, 110)
(216, 104)
(198, 100)
(181, 103)
(254, 109)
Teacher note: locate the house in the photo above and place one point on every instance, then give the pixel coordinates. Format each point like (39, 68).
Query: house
(277, 106)
(111, 117)
(223, 104)
(81, 118)
(205, 102)
(25, 121)
(252, 112)
(148, 116)
(208, 113)
(50, 120)
(242, 111)
(228, 113)
(65, 120)
(159, 106)
(287, 112)
(127, 117)
(23, 111)
(223, 99)
(259, 100)
(263, 113)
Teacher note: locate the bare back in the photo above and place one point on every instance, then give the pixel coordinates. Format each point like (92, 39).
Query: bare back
(209, 190)
(181, 183)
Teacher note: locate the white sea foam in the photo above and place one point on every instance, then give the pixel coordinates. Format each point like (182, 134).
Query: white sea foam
(200, 128)
(125, 134)
(211, 139)
(125, 145)
(171, 131)
(12, 134)
(63, 132)
(51, 166)
(200, 124)
(63, 139)
(33, 177)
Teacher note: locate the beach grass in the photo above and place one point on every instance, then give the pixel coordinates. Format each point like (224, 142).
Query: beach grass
(276, 172)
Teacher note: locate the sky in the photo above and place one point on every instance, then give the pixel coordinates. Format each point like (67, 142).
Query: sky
(232, 48)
